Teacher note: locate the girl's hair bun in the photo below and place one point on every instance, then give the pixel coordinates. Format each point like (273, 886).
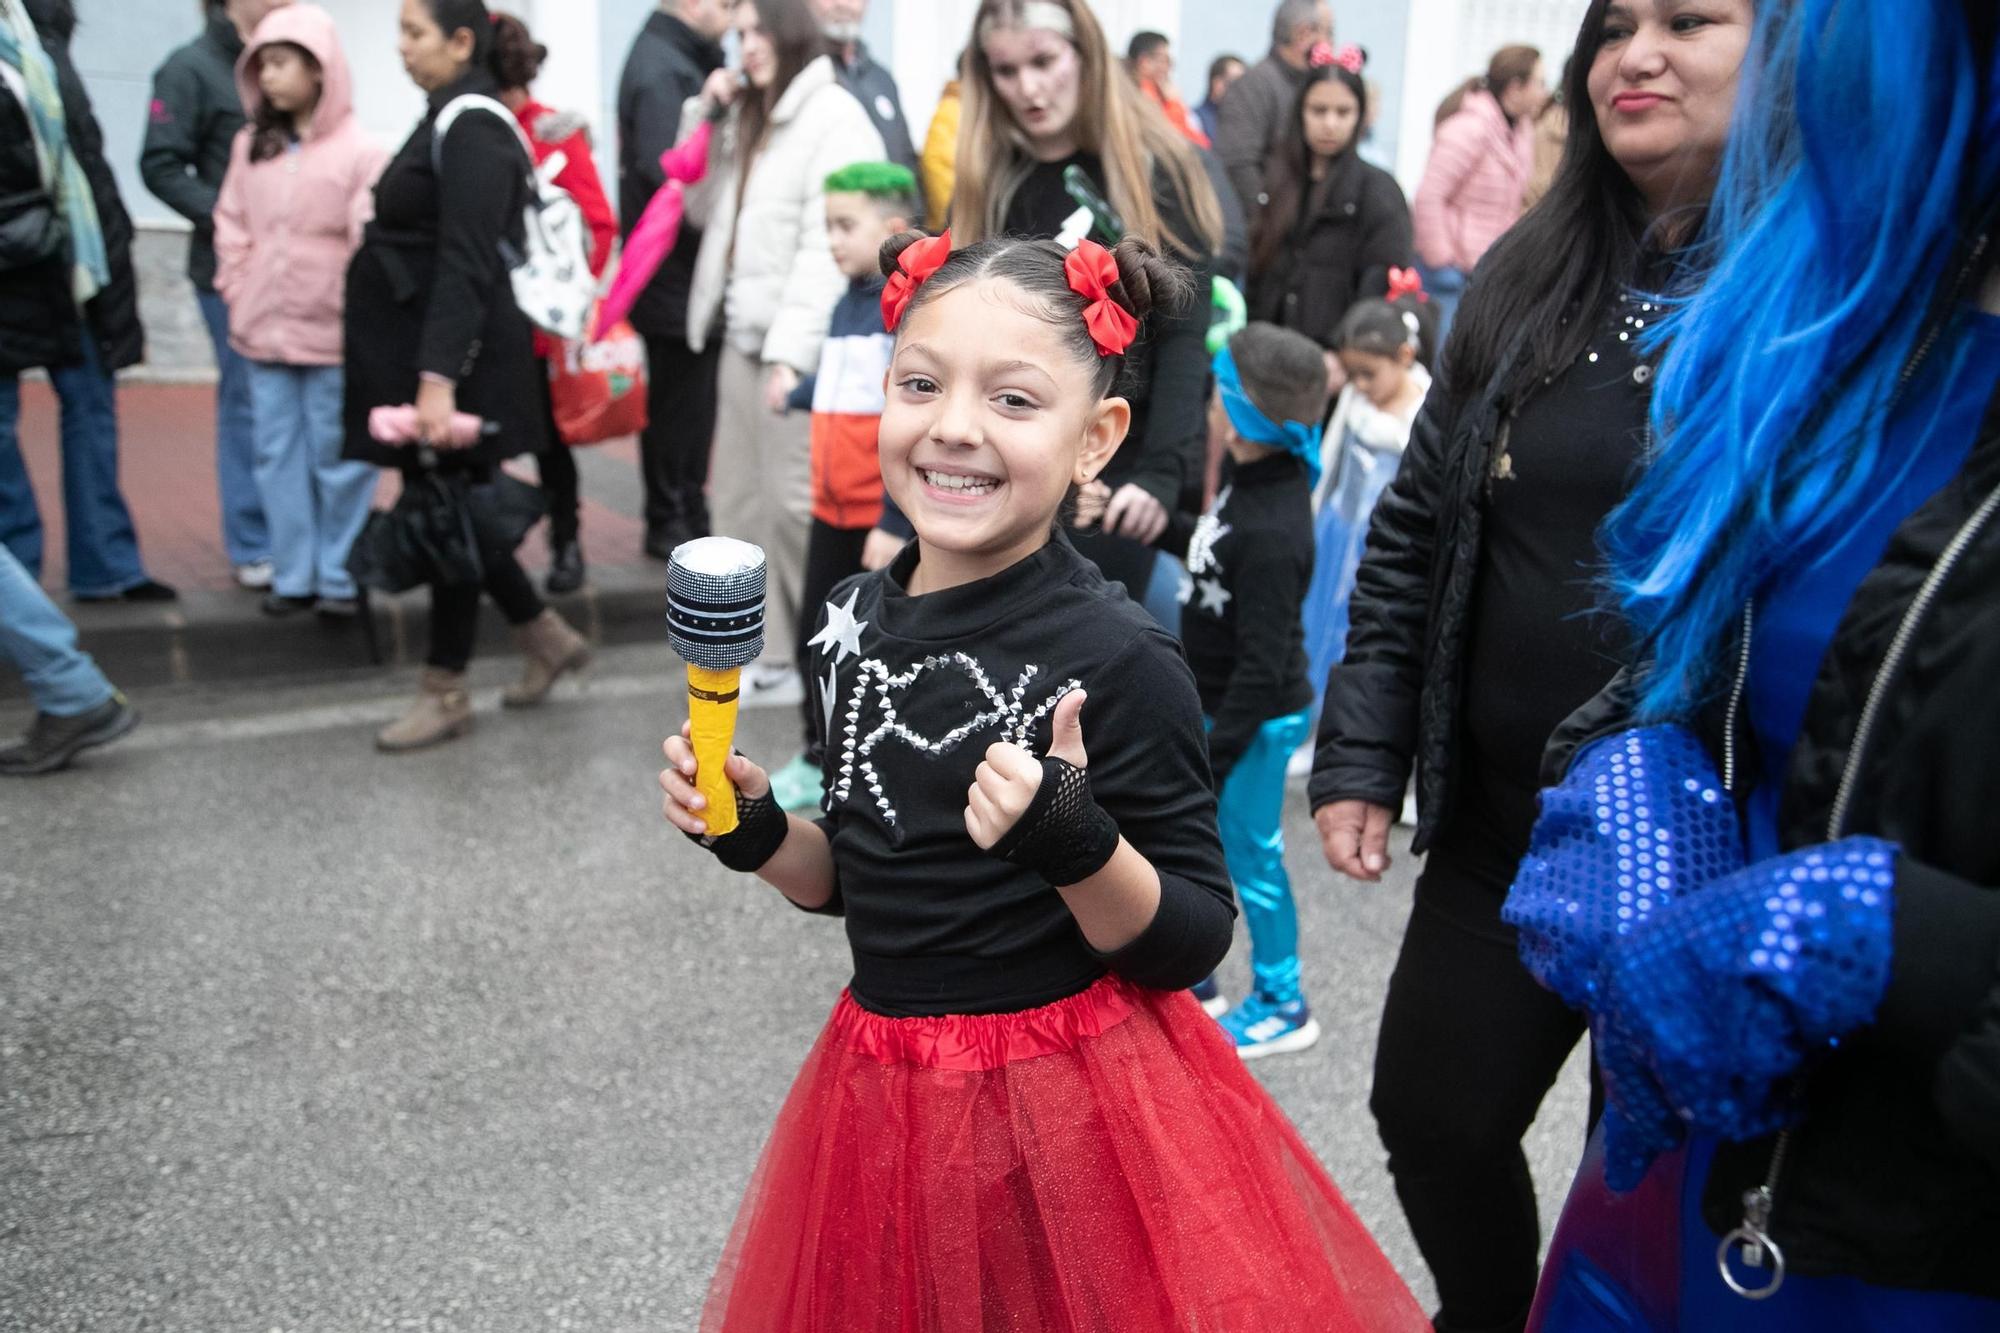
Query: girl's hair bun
(892, 249)
(1152, 283)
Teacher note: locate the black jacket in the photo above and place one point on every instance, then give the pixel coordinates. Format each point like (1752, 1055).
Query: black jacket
(668, 63)
(1340, 249)
(195, 114)
(1393, 699)
(114, 312)
(1893, 1174)
(1165, 375)
(39, 324)
(875, 88)
(1251, 559)
(428, 290)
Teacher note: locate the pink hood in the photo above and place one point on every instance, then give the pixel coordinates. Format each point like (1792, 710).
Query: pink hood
(313, 28)
(286, 227)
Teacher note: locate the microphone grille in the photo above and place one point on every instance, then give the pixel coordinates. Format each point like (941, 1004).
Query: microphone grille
(715, 602)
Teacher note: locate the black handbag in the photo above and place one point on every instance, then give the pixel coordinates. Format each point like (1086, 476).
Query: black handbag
(436, 529)
(31, 231)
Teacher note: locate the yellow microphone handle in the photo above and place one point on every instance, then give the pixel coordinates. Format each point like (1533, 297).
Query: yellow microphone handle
(712, 706)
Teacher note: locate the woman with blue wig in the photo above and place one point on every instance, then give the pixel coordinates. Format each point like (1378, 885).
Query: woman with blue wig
(1769, 872)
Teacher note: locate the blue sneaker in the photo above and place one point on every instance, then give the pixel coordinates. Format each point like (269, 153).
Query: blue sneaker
(797, 786)
(1260, 1028)
(1210, 995)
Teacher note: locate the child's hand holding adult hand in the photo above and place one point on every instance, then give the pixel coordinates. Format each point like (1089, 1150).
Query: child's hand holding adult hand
(1134, 513)
(778, 386)
(1005, 784)
(1091, 499)
(683, 804)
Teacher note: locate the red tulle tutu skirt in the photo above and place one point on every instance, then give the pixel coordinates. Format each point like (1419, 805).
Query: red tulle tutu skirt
(1101, 1163)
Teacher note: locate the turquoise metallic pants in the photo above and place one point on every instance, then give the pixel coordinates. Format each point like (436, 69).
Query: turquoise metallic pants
(1250, 813)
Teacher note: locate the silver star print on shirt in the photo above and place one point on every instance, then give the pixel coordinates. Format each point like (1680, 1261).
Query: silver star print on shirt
(841, 636)
(1214, 597)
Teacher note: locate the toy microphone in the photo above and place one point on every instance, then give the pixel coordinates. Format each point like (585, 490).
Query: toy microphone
(715, 620)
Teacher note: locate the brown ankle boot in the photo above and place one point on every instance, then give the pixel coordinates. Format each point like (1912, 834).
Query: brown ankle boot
(442, 711)
(549, 647)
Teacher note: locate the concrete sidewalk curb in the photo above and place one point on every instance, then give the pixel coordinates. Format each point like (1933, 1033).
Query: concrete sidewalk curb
(210, 637)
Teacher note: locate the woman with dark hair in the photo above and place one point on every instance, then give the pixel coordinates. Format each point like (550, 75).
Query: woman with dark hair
(1334, 225)
(1047, 106)
(517, 59)
(1471, 635)
(431, 318)
(1479, 166)
(765, 285)
(1798, 1012)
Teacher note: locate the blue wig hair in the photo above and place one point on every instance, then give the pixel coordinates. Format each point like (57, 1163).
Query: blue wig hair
(1866, 142)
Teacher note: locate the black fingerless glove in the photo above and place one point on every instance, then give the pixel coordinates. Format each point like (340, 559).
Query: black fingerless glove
(1064, 836)
(761, 828)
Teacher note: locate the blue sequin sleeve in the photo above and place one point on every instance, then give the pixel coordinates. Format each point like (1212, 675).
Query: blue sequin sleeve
(1640, 820)
(1709, 1010)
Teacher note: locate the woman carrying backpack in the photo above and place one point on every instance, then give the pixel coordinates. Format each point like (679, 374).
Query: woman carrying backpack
(430, 321)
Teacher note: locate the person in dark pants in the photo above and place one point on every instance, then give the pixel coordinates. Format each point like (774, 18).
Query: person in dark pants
(1472, 637)
(73, 310)
(190, 125)
(430, 318)
(673, 55)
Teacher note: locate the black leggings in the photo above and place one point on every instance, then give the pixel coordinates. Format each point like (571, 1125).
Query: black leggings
(455, 607)
(555, 468)
(1469, 1046)
(832, 554)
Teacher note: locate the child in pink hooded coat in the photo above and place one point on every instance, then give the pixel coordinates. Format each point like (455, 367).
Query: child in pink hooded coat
(297, 193)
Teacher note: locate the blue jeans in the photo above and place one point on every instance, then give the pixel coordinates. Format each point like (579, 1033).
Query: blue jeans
(39, 640)
(1447, 288)
(1250, 816)
(314, 501)
(103, 547)
(245, 535)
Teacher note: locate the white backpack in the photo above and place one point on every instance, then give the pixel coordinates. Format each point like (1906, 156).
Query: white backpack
(551, 275)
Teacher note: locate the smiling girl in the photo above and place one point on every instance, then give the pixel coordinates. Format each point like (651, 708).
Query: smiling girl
(1017, 1117)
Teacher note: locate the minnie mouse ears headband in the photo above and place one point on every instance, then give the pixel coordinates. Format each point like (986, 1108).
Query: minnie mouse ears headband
(1090, 269)
(1350, 57)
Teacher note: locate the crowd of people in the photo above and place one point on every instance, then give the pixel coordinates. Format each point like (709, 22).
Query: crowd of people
(1625, 494)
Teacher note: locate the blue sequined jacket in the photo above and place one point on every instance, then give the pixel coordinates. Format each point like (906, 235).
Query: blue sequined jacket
(1893, 1174)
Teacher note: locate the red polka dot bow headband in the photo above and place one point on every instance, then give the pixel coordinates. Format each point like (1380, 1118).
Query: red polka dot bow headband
(1350, 57)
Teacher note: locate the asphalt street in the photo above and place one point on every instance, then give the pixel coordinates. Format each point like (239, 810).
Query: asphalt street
(296, 1037)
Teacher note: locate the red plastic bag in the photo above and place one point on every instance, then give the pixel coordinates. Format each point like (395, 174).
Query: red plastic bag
(599, 387)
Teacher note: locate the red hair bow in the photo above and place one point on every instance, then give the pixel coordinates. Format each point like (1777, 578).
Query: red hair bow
(1091, 271)
(918, 261)
(1406, 282)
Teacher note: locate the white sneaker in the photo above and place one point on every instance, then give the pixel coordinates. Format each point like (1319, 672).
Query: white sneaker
(771, 686)
(255, 576)
(1300, 765)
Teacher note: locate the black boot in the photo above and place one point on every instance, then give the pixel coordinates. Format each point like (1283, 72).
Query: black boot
(565, 568)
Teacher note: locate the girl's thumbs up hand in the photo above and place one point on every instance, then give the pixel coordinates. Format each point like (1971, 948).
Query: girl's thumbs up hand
(1006, 782)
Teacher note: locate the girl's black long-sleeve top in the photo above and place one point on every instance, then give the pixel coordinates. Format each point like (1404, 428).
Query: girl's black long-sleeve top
(915, 689)
(1251, 560)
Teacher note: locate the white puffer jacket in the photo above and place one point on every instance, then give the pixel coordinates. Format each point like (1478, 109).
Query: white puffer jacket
(764, 266)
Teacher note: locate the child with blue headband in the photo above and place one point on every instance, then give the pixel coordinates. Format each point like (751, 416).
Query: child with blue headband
(1250, 559)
